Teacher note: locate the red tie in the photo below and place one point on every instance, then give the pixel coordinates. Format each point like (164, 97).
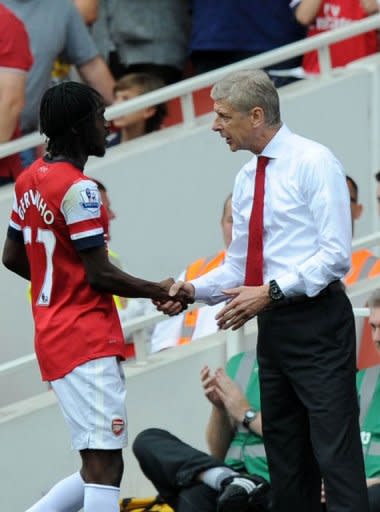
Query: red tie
(254, 265)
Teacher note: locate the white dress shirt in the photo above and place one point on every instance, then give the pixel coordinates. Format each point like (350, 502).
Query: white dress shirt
(307, 221)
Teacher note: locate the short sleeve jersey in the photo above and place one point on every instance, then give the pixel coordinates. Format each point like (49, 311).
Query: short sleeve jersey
(334, 14)
(57, 212)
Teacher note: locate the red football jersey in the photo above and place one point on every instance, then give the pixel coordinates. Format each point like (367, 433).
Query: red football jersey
(57, 212)
(338, 13)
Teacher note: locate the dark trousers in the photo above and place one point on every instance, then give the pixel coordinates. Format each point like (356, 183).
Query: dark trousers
(306, 354)
(173, 466)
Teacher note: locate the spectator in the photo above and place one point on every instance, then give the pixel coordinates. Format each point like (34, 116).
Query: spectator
(88, 10)
(15, 61)
(225, 32)
(189, 479)
(56, 28)
(364, 264)
(368, 385)
(143, 121)
(323, 15)
(143, 36)
(191, 325)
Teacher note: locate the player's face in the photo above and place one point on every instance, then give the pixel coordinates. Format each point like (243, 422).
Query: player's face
(98, 138)
(374, 322)
(235, 127)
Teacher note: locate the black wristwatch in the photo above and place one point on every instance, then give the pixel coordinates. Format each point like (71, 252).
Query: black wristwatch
(249, 416)
(275, 292)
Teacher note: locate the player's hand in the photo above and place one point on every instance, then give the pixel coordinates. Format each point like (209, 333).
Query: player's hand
(245, 303)
(210, 388)
(181, 294)
(231, 395)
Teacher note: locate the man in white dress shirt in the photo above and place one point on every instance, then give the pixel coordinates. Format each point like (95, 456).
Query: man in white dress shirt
(284, 265)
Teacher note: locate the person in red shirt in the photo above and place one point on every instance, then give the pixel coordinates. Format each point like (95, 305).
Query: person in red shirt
(56, 239)
(15, 61)
(323, 15)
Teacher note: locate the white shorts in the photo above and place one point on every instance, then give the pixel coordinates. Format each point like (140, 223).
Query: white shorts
(92, 399)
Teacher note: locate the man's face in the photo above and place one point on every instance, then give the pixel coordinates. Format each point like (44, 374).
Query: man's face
(107, 205)
(356, 207)
(227, 223)
(135, 117)
(233, 126)
(374, 321)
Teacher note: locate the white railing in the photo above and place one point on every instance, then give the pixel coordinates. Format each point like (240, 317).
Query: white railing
(138, 325)
(185, 88)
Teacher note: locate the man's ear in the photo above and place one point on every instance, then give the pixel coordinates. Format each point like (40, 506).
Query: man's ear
(358, 211)
(257, 116)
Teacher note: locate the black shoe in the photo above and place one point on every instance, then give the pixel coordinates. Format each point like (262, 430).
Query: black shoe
(234, 498)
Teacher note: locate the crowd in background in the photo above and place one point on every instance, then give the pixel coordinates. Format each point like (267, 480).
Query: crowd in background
(124, 49)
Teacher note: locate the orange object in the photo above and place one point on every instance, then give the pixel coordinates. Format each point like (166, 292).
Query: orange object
(194, 270)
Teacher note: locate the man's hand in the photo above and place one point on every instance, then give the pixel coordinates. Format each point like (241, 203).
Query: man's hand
(182, 294)
(231, 396)
(246, 302)
(210, 389)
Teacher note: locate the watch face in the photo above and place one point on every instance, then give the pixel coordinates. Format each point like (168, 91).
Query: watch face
(249, 415)
(275, 291)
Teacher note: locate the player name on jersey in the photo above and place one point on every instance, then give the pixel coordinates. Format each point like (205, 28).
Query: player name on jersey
(34, 198)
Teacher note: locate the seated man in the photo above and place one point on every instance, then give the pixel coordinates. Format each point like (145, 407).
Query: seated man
(190, 480)
(199, 322)
(368, 385)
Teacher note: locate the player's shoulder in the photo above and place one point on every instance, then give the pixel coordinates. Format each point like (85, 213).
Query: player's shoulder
(82, 194)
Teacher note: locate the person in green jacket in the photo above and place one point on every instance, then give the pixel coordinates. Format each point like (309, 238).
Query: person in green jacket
(368, 386)
(234, 477)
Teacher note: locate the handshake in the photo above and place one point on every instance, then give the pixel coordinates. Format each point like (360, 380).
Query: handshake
(175, 298)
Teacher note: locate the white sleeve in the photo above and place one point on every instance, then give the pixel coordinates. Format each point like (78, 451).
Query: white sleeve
(81, 209)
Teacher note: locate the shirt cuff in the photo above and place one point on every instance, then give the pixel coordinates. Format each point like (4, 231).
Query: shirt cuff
(289, 284)
(206, 293)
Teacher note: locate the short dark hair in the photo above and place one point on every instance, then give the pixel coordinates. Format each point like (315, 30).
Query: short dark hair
(146, 82)
(66, 111)
(377, 176)
(354, 186)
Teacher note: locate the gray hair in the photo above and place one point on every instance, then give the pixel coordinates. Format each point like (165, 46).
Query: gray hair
(247, 89)
(374, 299)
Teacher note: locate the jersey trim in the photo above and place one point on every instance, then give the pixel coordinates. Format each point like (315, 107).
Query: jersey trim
(89, 242)
(87, 234)
(15, 234)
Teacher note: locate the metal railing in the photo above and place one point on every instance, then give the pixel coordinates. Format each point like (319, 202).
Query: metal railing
(185, 88)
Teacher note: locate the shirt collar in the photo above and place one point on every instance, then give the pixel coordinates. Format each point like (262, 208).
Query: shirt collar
(276, 145)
